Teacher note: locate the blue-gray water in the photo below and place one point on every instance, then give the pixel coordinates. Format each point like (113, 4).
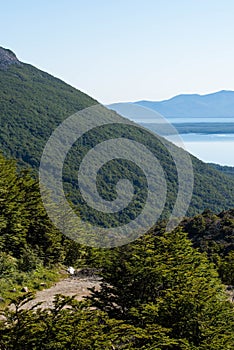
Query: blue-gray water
(209, 139)
(217, 148)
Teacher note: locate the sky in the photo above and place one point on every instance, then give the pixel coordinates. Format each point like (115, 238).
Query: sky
(126, 50)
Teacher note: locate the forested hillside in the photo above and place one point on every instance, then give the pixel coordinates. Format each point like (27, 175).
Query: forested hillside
(164, 291)
(33, 104)
(158, 292)
(228, 170)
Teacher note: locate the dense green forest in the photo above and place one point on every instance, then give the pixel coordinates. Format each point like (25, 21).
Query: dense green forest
(33, 103)
(228, 170)
(32, 250)
(157, 293)
(164, 291)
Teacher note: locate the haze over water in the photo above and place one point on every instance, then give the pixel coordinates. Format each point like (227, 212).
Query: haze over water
(214, 148)
(210, 148)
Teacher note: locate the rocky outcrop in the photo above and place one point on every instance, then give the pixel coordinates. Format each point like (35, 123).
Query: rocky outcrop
(7, 58)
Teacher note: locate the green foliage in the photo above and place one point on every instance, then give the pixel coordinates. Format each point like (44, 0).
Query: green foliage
(157, 293)
(213, 234)
(72, 325)
(24, 223)
(163, 281)
(15, 279)
(29, 242)
(33, 104)
(228, 170)
(207, 228)
(8, 264)
(226, 268)
(28, 260)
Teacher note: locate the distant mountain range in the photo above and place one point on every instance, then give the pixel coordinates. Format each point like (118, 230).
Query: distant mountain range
(215, 105)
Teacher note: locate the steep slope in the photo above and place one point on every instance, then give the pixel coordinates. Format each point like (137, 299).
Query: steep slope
(33, 103)
(228, 170)
(215, 105)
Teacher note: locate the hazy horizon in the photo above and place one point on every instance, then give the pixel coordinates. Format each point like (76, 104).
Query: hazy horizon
(128, 50)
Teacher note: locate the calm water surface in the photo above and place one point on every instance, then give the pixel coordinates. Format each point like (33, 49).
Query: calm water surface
(217, 148)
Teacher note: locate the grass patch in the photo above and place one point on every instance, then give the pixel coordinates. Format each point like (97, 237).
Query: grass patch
(42, 277)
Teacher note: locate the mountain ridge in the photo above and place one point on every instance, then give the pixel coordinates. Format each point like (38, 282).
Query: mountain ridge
(33, 104)
(213, 105)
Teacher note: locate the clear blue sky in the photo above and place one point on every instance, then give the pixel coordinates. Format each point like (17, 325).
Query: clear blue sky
(126, 50)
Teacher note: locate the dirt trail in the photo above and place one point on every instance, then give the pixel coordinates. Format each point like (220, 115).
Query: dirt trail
(68, 287)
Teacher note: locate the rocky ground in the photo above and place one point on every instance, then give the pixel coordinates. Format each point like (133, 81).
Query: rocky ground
(70, 286)
(73, 285)
(78, 285)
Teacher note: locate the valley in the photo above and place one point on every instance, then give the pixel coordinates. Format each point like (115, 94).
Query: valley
(167, 289)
